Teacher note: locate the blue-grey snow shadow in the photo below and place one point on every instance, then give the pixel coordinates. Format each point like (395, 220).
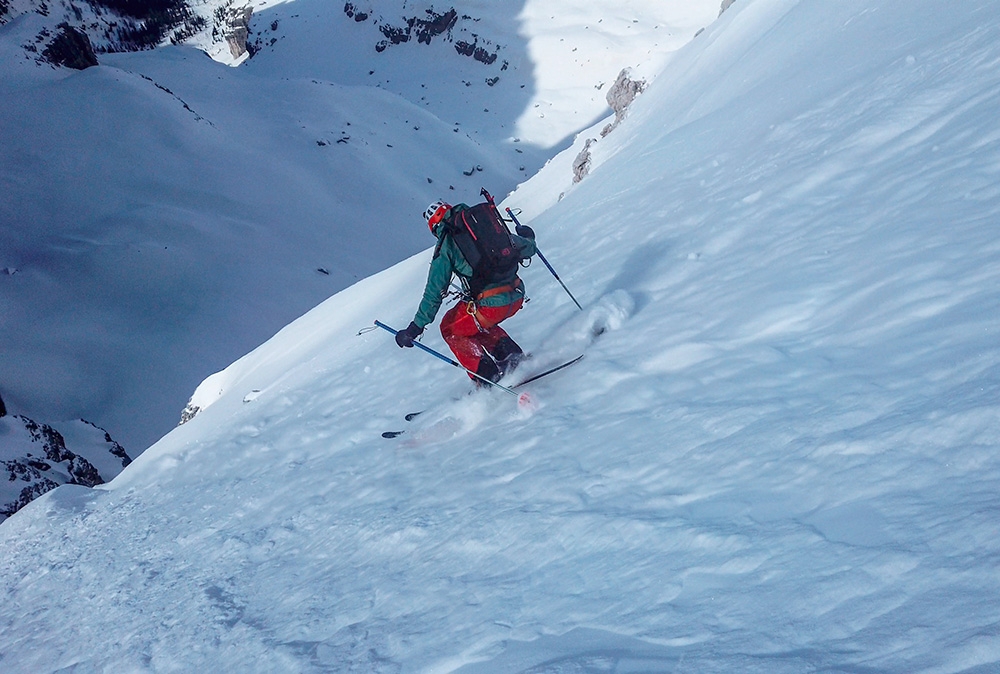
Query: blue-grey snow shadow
(636, 270)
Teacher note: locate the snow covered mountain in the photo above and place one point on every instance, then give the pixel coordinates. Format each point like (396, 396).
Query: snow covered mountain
(779, 453)
(36, 458)
(163, 214)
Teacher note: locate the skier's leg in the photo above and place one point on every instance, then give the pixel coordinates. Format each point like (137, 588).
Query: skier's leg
(495, 339)
(461, 333)
(498, 343)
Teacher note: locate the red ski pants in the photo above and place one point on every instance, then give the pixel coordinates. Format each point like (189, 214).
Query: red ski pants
(471, 334)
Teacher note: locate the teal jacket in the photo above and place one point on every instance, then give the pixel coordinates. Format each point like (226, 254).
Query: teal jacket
(448, 260)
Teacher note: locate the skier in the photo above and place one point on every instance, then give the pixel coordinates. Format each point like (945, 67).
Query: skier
(489, 296)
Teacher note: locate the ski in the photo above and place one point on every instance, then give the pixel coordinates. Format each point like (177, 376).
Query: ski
(547, 372)
(409, 417)
(412, 415)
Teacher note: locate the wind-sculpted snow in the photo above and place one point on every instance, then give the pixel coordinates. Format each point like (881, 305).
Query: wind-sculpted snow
(780, 453)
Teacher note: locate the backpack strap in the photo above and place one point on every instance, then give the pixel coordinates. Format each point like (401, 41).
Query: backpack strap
(499, 290)
(443, 231)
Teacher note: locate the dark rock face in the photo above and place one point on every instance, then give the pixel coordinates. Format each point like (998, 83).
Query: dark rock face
(147, 22)
(190, 410)
(425, 29)
(434, 25)
(38, 485)
(475, 51)
(70, 48)
(80, 29)
(54, 447)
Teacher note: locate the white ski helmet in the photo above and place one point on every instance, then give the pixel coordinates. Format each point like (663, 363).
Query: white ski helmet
(435, 212)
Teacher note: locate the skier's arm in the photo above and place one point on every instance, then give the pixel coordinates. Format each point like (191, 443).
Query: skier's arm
(438, 278)
(525, 245)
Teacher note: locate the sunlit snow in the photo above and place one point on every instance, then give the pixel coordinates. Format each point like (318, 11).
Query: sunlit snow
(779, 453)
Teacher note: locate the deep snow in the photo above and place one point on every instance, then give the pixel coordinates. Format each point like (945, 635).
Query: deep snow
(778, 455)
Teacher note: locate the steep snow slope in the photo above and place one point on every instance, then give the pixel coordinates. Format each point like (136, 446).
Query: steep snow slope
(779, 454)
(167, 213)
(163, 214)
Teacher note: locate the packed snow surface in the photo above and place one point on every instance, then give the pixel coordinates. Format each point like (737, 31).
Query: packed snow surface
(779, 454)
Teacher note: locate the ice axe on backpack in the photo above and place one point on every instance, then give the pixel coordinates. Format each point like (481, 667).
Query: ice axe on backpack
(539, 253)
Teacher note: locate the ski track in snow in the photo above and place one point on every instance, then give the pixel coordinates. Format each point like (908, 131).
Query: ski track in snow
(779, 454)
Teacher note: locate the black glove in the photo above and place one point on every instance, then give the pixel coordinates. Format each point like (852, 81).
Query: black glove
(525, 231)
(404, 338)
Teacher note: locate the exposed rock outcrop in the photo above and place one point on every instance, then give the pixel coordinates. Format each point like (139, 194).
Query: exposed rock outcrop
(238, 30)
(581, 165)
(448, 25)
(76, 31)
(189, 412)
(70, 48)
(620, 96)
(36, 458)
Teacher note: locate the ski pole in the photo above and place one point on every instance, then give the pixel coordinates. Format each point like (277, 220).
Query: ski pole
(451, 362)
(546, 262)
